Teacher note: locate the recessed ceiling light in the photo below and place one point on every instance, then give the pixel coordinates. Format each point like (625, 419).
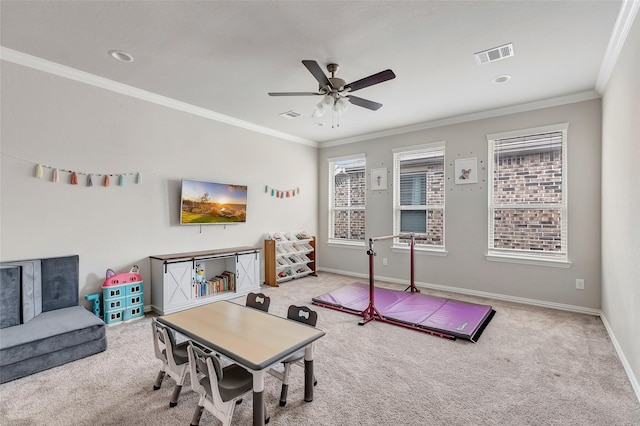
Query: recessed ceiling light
(121, 56)
(502, 78)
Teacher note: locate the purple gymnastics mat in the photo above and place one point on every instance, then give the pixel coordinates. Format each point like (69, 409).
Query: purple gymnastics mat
(459, 319)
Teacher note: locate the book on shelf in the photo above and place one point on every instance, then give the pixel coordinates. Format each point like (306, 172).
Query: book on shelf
(224, 282)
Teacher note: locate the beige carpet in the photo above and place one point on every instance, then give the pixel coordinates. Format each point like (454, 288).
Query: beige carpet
(532, 366)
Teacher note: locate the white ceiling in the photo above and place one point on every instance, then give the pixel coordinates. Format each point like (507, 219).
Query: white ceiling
(224, 56)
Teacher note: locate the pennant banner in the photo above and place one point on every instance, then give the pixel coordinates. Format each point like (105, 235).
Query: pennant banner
(73, 175)
(281, 193)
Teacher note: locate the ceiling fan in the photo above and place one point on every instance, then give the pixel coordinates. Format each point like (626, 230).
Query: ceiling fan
(336, 92)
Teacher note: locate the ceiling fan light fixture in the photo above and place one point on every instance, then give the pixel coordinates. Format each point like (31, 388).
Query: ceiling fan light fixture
(342, 104)
(320, 110)
(327, 101)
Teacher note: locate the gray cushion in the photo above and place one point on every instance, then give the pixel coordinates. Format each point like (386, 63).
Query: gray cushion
(31, 288)
(59, 282)
(51, 359)
(49, 332)
(9, 296)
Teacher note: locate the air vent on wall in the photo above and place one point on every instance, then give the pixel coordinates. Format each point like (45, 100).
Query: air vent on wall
(290, 114)
(494, 54)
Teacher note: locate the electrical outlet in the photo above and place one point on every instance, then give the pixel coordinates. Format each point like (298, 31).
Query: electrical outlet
(384, 261)
(580, 284)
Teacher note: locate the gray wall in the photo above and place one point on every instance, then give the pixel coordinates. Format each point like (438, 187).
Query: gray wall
(465, 266)
(60, 122)
(621, 205)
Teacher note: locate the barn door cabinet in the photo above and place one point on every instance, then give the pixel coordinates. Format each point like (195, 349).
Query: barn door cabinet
(184, 280)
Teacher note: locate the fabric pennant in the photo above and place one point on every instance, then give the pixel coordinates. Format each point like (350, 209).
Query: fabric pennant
(38, 172)
(286, 193)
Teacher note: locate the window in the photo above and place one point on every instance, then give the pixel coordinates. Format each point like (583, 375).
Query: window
(418, 195)
(528, 195)
(347, 189)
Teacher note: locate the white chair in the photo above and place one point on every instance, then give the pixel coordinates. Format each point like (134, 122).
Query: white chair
(220, 389)
(304, 315)
(174, 357)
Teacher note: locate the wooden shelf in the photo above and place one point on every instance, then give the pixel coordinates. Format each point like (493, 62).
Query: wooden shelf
(286, 257)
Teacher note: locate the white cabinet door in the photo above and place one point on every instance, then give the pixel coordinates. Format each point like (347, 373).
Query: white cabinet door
(177, 284)
(247, 272)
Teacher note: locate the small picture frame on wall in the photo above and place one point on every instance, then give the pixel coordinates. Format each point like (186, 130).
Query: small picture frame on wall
(466, 171)
(379, 179)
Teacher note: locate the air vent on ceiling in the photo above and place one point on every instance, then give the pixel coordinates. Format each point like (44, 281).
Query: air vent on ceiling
(494, 54)
(290, 114)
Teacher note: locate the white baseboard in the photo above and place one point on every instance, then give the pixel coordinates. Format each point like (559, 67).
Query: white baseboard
(542, 303)
(627, 367)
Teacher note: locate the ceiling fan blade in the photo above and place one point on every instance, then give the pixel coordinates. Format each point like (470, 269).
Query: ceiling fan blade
(293, 93)
(364, 103)
(371, 80)
(317, 72)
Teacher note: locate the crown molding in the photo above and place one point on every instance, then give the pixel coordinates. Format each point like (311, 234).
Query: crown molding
(626, 16)
(40, 64)
(531, 106)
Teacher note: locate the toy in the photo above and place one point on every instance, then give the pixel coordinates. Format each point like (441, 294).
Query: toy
(95, 298)
(199, 273)
(123, 296)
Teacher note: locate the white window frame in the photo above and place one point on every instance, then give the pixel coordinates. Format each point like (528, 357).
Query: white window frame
(436, 149)
(333, 209)
(541, 258)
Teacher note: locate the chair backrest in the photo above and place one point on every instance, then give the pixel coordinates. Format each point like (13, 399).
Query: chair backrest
(164, 342)
(302, 314)
(205, 365)
(258, 301)
(158, 341)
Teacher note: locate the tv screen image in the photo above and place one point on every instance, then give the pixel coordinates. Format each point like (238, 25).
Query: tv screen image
(212, 203)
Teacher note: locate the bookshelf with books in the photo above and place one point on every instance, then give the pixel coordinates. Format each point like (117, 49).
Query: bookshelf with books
(185, 280)
(288, 255)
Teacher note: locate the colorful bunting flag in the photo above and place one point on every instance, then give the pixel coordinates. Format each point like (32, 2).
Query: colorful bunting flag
(281, 193)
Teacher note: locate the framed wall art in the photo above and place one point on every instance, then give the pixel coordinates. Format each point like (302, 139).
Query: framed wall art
(466, 170)
(379, 179)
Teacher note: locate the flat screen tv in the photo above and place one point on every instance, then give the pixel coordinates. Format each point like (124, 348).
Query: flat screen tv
(212, 203)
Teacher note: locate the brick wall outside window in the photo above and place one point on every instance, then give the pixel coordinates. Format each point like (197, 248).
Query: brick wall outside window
(350, 190)
(526, 179)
